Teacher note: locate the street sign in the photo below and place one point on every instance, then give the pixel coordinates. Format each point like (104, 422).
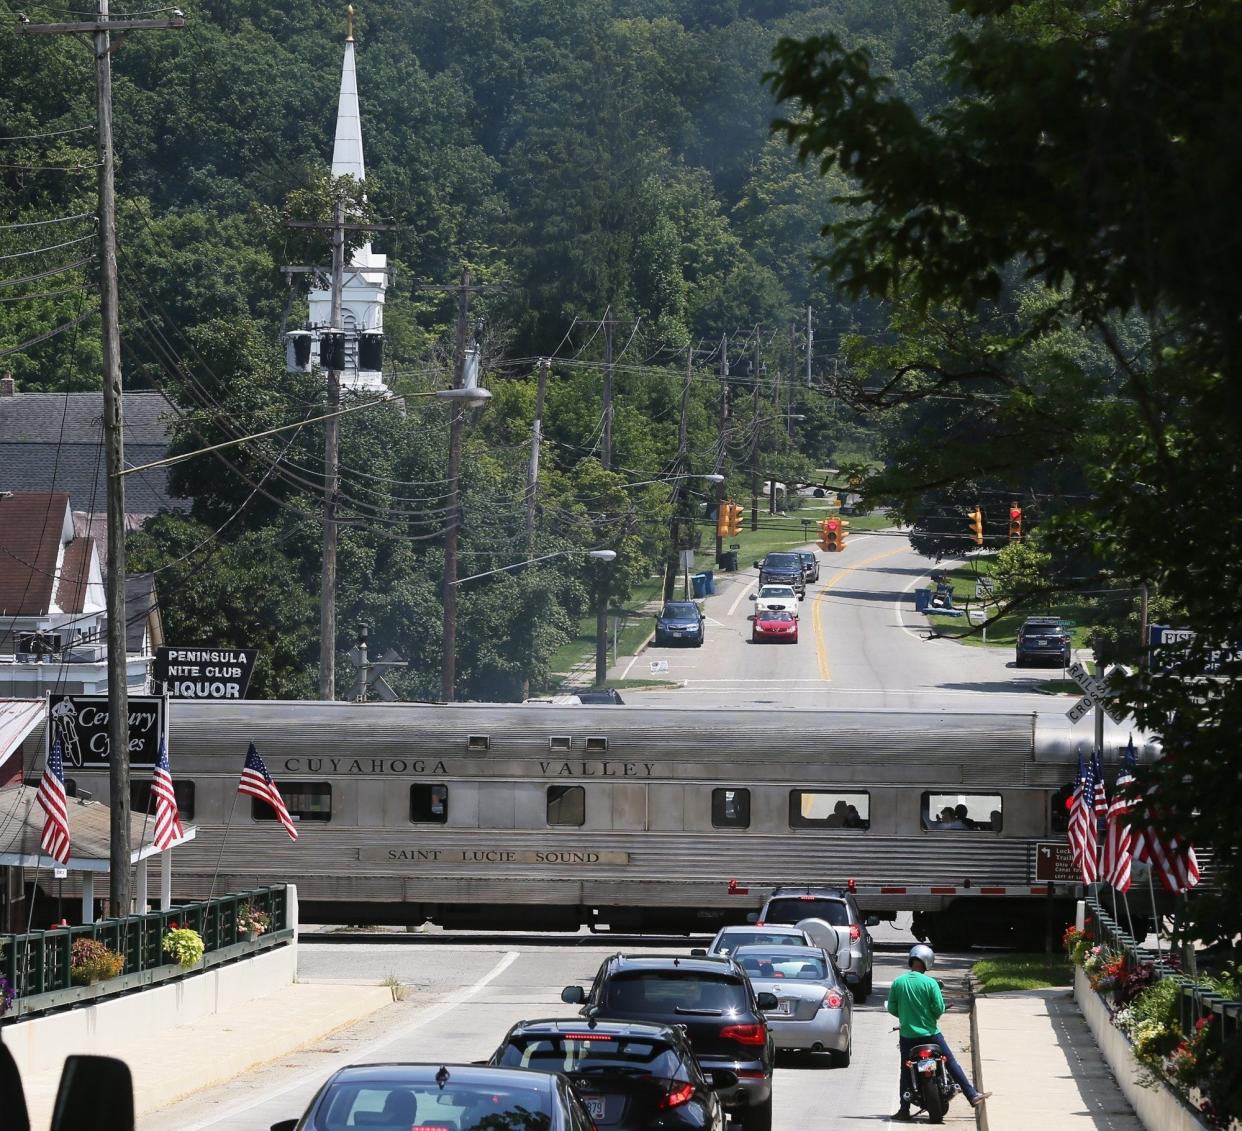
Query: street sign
(978, 616)
(205, 672)
(983, 590)
(81, 724)
(658, 667)
(60, 873)
(1054, 863)
(1095, 694)
(687, 559)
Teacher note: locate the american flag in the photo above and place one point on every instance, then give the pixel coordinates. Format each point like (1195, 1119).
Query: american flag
(1082, 824)
(168, 828)
(1172, 861)
(51, 798)
(1099, 800)
(257, 782)
(1118, 836)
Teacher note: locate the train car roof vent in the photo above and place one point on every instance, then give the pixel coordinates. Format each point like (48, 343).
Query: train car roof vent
(560, 741)
(478, 742)
(596, 743)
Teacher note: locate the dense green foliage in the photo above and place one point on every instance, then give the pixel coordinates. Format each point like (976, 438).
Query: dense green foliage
(1058, 245)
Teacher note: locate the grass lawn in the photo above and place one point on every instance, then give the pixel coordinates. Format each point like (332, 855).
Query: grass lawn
(1021, 972)
(636, 623)
(1004, 632)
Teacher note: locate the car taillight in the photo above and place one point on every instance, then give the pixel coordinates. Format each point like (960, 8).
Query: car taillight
(855, 932)
(677, 1097)
(831, 1001)
(745, 1034)
(924, 1053)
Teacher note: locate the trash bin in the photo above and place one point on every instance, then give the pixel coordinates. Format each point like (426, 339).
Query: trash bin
(711, 581)
(922, 598)
(728, 560)
(698, 582)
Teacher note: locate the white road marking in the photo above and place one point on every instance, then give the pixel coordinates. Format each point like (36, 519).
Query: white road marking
(367, 1052)
(897, 609)
(747, 587)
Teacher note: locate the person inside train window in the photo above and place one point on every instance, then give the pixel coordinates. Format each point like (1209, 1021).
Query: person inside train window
(995, 822)
(853, 819)
(962, 814)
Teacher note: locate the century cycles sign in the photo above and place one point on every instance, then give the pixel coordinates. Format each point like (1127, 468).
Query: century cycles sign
(550, 768)
(81, 724)
(570, 856)
(205, 673)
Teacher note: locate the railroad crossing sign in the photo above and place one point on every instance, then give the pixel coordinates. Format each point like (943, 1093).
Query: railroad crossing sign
(1054, 863)
(370, 677)
(1095, 694)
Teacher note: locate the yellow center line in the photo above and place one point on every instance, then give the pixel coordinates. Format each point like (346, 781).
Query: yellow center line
(821, 651)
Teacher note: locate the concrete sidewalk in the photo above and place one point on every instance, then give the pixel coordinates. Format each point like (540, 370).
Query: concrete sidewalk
(168, 1064)
(1043, 1067)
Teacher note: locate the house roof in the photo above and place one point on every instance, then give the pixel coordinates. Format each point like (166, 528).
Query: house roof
(53, 441)
(32, 527)
(75, 575)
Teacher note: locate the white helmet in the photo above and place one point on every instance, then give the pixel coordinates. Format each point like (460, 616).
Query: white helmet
(924, 954)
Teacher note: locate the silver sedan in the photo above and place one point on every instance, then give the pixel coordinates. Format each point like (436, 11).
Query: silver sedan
(814, 1007)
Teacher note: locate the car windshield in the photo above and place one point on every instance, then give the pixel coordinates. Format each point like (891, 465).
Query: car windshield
(594, 1052)
(729, 941)
(776, 591)
(783, 561)
(759, 964)
(665, 991)
(776, 614)
(392, 1104)
(679, 610)
(794, 909)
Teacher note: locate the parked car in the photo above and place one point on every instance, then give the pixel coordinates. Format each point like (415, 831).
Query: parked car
(837, 907)
(598, 695)
(810, 565)
(680, 622)
(713, 999)
(442, 1097)
(629, 1075)
(774, 625)
(782, 568)
(1043, 638)
(775, 597)
(728, 939)
(814, 1008)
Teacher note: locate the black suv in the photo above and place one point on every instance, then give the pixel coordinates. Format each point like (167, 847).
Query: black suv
(810, 565)
(1044, 638)
(781, 568)
(713, 999)
(629, 1076)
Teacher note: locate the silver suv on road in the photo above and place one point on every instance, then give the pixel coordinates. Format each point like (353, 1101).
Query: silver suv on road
(837, 907)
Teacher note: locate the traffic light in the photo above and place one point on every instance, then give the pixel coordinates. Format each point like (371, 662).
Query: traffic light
(722, 520)
(832, 535)
(1015, 522)
(735, 519)
(976, 526)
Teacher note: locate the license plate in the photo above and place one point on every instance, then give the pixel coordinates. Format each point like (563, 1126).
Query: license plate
(594, 1106)
(927, 1067)
(785, 1007)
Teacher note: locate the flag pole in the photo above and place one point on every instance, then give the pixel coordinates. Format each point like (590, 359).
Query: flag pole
(1151, 887)
(223, 841)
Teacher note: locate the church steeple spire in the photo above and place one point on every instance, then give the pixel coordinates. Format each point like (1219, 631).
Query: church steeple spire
(347, 151)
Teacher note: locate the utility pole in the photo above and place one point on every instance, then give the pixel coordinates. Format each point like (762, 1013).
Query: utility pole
(754, 442)
(532, 466)
(671, 570)
(114, 443)
(810, 341)
(606, 451)
(448, 668)
(331, 471)
(723, 429)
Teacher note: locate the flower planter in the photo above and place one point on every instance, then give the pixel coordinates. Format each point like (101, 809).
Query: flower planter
(1158, 1108)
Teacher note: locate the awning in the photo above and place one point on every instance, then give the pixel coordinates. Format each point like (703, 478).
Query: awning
(18, 717)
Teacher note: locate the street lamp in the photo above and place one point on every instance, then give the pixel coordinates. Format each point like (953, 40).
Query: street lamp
(599, 555)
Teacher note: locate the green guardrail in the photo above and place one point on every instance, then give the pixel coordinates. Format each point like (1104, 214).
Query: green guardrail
(37, 965)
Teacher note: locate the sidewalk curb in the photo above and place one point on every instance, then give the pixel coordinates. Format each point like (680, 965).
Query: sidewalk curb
(976, 1058)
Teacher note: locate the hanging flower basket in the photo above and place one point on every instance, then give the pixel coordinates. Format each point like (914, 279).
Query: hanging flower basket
(185, 945)
(90, 962)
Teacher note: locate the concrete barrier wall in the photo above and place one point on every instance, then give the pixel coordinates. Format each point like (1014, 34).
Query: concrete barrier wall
(1158, 1108)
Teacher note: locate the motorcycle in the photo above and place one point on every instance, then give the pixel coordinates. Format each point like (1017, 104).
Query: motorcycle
(928, 1085)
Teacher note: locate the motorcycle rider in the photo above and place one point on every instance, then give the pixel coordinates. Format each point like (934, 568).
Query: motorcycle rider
(915, 1000)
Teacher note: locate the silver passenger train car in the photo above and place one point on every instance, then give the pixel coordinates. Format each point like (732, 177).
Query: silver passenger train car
(620, 817)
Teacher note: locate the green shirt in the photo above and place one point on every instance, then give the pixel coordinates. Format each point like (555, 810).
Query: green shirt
(915, 1001)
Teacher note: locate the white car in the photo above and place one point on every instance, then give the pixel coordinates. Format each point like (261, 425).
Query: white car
(776, 597)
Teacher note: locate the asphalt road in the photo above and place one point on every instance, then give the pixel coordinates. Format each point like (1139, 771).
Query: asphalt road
(860, 645)
(460, 1002)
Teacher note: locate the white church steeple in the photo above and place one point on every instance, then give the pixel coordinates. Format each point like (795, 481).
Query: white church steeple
(362, 301)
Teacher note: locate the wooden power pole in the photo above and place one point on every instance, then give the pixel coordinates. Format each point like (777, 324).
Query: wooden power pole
(114, 443)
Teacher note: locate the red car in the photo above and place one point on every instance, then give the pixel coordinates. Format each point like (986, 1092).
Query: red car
(774, 624)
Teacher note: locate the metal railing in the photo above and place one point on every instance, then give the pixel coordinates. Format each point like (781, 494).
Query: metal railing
(39, 969)
(1197, 1001)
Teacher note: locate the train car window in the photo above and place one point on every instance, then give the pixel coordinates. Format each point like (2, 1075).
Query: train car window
(596, 744)
(566, 805)
(142, 800)
(1058, 816)
(305, 800)
(829, 809)
(478, 742)
(560, 742)
(962, 812)
(429, 804)
(731, 808)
